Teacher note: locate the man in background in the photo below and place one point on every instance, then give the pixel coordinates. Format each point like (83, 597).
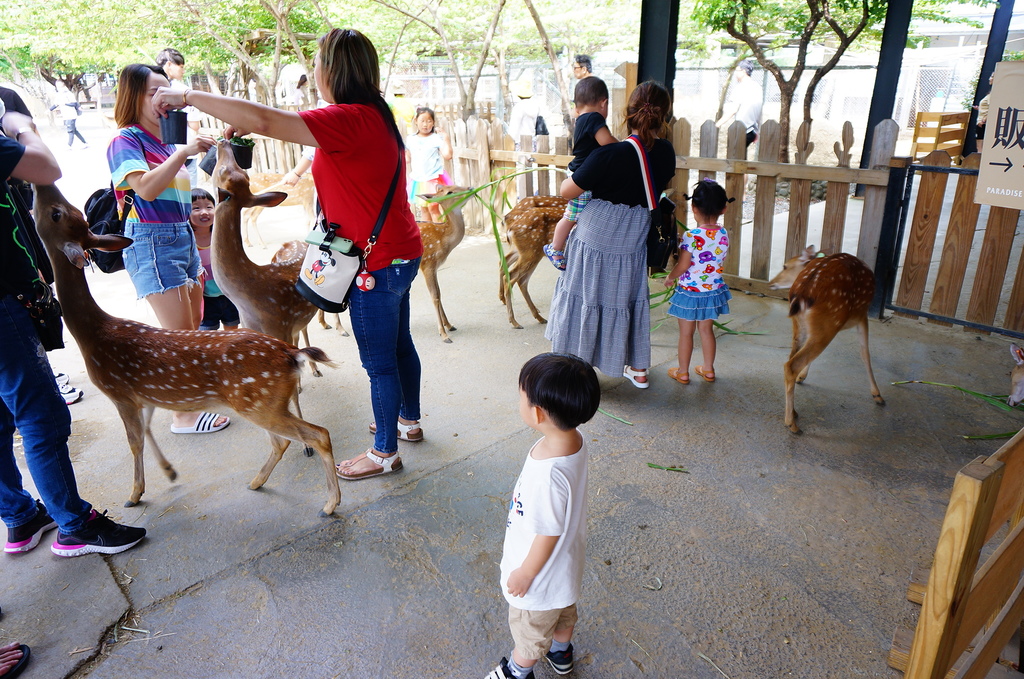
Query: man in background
(745, 102)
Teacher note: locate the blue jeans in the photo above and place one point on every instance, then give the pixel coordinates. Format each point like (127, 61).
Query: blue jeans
(30, 402)
(380, 323)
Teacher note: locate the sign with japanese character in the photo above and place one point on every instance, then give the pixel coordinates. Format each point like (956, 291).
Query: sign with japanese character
(1001, 176)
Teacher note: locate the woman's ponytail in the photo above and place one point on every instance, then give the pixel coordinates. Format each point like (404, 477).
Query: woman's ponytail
(650, 106)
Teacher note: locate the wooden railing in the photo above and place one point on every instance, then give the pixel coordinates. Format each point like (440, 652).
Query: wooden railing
(968, 614)
(939, 132)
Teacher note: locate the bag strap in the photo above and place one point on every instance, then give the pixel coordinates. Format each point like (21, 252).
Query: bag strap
(645, 170)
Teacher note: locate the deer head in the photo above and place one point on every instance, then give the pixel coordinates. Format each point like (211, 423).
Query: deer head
(64, 230)
(232, 182)
(792, 268)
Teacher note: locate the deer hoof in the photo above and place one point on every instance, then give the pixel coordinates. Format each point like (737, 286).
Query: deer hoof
(308, 451)
(317, 373)
(255, 486)
(131, 503)
(324, 514)
(878, 399)
(171, 474)
(447, 340)
(516, 326)
(795, 429)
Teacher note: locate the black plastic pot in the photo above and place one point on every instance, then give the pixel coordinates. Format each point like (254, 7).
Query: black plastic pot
(243, 155)
(174, 128)
(209, 161)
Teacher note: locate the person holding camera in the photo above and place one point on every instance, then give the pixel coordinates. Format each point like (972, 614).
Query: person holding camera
(29, 398)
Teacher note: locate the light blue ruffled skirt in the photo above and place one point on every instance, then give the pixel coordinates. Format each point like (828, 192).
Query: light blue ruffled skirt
(699, 306)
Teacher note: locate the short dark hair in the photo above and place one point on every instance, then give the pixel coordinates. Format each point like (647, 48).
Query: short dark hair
(202, 194)
(747, 66)
(590, 91)
(585, 61)
(171, 55)
(709, 197)
(564, 386)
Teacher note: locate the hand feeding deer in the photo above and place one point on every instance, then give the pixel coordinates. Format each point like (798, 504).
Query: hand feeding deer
(265, 295)
(439, 239)
(528, 227)
(140, 367)
(826, 294)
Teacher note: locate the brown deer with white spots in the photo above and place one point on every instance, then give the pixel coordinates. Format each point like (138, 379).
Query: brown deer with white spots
(140, 367)
(528, 227)
(439, 239)
(826, 294)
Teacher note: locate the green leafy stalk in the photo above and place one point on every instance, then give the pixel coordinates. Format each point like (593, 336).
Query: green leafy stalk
(668, 469)
(991, 399)
(614, 417)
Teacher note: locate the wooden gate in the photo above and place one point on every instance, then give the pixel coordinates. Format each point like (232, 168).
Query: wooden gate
(960, 282)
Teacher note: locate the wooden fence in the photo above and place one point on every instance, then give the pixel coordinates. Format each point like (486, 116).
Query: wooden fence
(482, 152)
(968, 614)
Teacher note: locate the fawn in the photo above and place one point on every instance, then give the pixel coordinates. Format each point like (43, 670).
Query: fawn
(1016, 377)
(528, 226)
(264, 182)
(826, 294)
(140, 367)
(439, 239)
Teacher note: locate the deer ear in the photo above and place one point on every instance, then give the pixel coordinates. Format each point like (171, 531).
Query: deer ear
(1017, 353)
(269, 199)
(808, 254)
(222, 196)
(109, 242)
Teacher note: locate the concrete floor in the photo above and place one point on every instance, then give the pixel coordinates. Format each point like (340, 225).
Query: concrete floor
(775, 555)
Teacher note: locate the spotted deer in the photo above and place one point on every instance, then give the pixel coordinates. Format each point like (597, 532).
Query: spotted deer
(140, 367)
(528, 227)
(265, 182)
(296, 249)
(439, 239)
(1016, 377)
(826, 294)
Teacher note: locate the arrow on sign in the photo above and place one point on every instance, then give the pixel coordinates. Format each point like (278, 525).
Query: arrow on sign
(1007, 165)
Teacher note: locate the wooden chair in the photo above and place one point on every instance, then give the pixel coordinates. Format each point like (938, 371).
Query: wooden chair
(939, 132)
(968, 614)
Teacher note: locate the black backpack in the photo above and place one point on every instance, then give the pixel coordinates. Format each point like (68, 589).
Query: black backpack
(103, 217)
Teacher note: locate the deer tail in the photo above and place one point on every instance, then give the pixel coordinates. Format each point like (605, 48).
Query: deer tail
(798, 303)
(314, 354)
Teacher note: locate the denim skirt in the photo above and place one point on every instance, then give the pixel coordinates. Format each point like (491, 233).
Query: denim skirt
(161, 257)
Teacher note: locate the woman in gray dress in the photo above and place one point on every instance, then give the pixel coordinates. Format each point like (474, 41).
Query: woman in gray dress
(600, 310)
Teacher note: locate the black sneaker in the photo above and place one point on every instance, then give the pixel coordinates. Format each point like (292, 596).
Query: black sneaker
(99, 535)
(503, 672)
(560, 661)
(26, 536)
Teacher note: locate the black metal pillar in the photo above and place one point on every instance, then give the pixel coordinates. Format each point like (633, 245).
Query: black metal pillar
(993, 54)
(887, 75)
(659, 24)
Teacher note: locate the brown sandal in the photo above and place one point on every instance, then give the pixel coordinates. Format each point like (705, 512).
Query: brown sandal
(708, 376)
(387, 465)
(681, 378)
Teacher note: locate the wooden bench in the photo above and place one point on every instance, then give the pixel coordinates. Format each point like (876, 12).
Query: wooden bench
(968, 614)
(939, 132)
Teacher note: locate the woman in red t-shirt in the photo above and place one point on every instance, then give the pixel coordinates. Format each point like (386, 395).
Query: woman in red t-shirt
(358, 149)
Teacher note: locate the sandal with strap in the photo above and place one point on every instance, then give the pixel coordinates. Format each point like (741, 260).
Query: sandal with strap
(403, 434)
(631, 375)
(387, 465)
(680, 377)
(557, 257)
(708, 375)
(206, 423)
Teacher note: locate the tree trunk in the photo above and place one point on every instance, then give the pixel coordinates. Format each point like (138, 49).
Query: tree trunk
(563, 90)
(470, 106)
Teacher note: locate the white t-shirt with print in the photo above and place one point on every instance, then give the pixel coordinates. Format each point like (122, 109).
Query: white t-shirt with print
(550, 498)
(426, 156)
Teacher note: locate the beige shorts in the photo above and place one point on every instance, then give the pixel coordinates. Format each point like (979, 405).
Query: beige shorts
(533, 630)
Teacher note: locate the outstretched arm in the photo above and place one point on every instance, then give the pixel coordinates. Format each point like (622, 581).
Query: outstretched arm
(239, 113)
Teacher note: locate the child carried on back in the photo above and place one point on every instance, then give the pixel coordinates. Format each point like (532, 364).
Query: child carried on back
(591, 100)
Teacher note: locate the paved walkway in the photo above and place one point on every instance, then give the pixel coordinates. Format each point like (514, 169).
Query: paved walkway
(774, 555)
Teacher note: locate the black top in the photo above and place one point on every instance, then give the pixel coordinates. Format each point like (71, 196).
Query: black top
(17, 266)
(583, 140)
(612, 172)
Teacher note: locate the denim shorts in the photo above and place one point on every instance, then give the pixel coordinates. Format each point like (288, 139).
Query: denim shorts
(161, 257)
(217, 310)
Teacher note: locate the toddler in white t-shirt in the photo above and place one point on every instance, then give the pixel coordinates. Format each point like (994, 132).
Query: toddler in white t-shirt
(546, 530)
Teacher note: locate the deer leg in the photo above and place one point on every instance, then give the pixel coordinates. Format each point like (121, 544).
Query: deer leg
(304, 334)
(282, 429)
(147, 419)
(524, 282)
(307, 450)
(796, 366)
(862, 334)
(341, 329)
(322, 317)
(799, 339)
(443, 326)
(131, 417)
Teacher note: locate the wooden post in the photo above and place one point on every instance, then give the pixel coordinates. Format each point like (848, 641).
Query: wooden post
(735, 182)
(995, 252)
(543, 178)
(799, 195)
(885, 263)
(708, 145)
(882, 146)
(681, 181)
(956, 251)
(837, 196)
(764, 202)
(921, 240)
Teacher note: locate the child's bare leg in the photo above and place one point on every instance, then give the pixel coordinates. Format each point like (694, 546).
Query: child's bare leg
(708, 345)
(561, 234)
(564, 635)
(521, 661)
(686, 329)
